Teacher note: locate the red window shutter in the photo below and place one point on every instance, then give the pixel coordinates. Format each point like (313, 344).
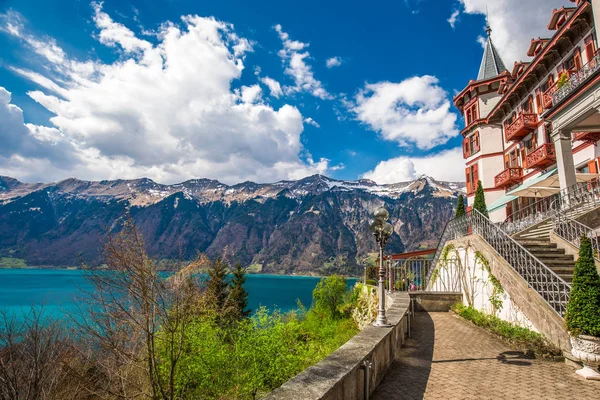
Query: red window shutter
(506, 161)
(475, 176)
(466, 150)
(577, 60)
(592, 167)
(476, 142)
(468, 176)
(538, 101)
(589, 48)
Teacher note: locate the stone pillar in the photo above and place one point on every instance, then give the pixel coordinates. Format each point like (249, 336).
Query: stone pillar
(564, 158)
(596, 13)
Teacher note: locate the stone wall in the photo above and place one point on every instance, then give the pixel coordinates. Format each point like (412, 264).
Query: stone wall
(435, 301)
(340, 375)
(520, 304)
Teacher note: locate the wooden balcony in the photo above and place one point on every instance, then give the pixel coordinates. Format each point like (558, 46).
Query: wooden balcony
(590, 137)
(541, 157)
(547, 96)
(521, 127)
(508, 177)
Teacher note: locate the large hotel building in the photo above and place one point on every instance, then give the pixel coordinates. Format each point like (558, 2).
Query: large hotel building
(538, 120)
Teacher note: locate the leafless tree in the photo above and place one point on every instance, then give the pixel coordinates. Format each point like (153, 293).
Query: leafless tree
(137, 321)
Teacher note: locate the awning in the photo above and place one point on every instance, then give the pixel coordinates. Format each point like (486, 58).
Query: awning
(532, 182)
(508, 197)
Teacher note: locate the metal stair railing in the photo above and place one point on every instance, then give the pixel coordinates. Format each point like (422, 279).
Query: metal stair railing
(571, 231)
(551, 287)
(568, 201)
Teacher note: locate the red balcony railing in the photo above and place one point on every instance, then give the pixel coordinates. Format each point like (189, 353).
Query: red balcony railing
(521, 127)
(541, 157)
(508, 177)
(547, 96)
(591, 137)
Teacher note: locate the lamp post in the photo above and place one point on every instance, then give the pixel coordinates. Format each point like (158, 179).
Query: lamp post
(382, 230)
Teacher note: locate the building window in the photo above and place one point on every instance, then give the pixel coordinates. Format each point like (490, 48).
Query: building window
(511, 160)
(528, 105)
(472, 178)
(471, 113)
(573, 63)
(538, 101)
(590, 48)
(471, 145)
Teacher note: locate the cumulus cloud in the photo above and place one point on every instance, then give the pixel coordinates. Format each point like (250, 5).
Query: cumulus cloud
(167, 110)
(294, 57)
(453, 18)
(312, 122)
(333, 62)
(273, 85)
(515, 22)
(447, 165)
(414, 112)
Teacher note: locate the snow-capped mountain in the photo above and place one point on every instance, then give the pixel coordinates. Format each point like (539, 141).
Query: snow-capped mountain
(287, 226)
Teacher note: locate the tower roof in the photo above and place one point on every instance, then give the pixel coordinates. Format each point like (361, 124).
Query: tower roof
(491, 64)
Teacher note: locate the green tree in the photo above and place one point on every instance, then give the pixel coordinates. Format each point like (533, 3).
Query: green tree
(460, 206)
(329, 295)
(583, 309)
(217, 287)
(238, 297)
(479, 203)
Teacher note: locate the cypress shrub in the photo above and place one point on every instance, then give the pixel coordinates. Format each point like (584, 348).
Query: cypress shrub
(460, 206)
(479, 203)
(583, 309)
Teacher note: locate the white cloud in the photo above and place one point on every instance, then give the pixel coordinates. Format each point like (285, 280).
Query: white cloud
(447, 165)
(312, 122)
(515, 22)
(453, 18)
(294, 60)
(165, 110)
(333, 62)
(273, 85)
(415, 111)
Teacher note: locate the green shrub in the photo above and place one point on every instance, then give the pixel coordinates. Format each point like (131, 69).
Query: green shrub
(329, 295)
(522, 338)
(479, 203)
(460, 206)
(583, 309)
(371, 282)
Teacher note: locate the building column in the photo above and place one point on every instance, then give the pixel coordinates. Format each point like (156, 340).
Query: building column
(596, 14)
(564, 158)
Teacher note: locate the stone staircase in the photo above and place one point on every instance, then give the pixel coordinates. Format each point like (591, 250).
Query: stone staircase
(550, 255)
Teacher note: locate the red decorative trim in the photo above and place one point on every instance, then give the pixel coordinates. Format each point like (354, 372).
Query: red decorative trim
(473, 125)
(582, 146)
(540, 56)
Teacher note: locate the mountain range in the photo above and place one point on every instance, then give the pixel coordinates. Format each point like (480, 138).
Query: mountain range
(315, 225)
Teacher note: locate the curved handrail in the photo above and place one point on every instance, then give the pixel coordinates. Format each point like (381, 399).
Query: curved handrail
(572, 230)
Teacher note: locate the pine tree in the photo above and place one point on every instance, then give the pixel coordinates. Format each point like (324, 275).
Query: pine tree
(460, 206)
(583, 309)
(479, 203)
(238, 297)
(217, 287)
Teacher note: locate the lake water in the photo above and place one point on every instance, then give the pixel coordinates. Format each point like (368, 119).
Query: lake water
(57, 289)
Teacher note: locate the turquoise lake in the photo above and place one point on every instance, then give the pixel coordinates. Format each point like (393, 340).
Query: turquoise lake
(56, 290)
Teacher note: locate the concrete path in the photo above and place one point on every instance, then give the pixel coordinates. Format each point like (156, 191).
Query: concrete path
(449, 358)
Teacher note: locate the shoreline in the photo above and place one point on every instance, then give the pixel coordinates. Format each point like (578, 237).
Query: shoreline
(55, 268)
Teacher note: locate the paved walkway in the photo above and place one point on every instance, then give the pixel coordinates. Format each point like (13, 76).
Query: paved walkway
(449, 358)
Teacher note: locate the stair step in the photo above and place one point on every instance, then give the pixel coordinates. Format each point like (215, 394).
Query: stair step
(559, 263)
(557, 252)
(549, 258)
(563, 270)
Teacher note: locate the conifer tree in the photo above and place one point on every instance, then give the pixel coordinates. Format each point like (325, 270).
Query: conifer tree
(460, 206)
(479, 203)
(583, 309)
(217, 287)
(238, 297)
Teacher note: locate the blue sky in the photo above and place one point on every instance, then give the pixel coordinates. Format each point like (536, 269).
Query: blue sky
(243, 90)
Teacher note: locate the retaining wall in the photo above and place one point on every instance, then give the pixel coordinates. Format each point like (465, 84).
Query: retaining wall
(340, 375)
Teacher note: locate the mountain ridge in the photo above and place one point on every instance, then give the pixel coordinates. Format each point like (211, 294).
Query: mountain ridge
(313, 225)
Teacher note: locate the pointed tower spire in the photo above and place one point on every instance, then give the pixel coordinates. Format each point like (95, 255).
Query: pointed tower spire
(491, 64)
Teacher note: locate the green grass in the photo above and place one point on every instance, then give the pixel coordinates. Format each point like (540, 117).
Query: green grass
(254, 268)
(9, 262)
(522, 339)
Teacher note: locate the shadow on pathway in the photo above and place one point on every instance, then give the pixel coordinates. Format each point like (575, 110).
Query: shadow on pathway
(409, 372)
